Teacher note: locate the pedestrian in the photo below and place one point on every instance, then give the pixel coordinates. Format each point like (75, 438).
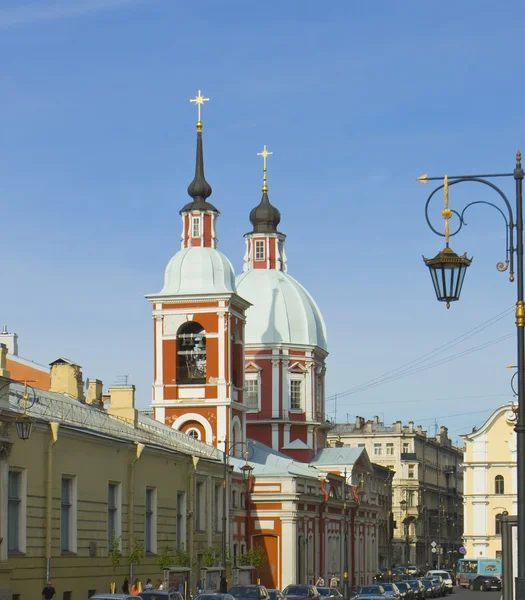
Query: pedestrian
(125, 586)
(48, 593)
(149, 585)
(224, 585)
(160, 585)
(320, 581)
(136, 588)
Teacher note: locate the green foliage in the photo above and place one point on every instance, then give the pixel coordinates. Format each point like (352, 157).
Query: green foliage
(255, 557)
(166, 557)
(115, 553)
(182, 558)
(136, 551)
(212, 556)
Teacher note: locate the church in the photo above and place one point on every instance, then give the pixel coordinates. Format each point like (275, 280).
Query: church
(239, 363)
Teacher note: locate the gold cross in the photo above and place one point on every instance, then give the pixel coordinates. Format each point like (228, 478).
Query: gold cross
(265, 155)
(198, 101)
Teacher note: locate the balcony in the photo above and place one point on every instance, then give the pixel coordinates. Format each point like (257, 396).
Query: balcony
(408, 456)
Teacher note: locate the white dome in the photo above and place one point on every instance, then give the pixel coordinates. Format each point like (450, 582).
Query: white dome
(198, 271)
(283, 312)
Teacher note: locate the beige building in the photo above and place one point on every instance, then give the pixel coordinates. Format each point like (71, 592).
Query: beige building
(427, 486)
(87, 475)
(490, 485)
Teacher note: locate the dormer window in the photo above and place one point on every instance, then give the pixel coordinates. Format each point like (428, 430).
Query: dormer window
(296, 394)
(191, 354)
(259, 249)
(195, 227)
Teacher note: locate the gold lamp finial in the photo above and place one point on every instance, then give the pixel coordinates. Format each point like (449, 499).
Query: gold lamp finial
(199, 100)
(447, 213)
(265, 154)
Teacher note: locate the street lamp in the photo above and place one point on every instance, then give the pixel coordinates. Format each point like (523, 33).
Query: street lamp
(448, 272)
(246, 471)
(23, 424)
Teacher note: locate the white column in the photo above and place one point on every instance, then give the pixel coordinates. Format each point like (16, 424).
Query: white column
(221, 383)
(286, 434)
(309, 398)
(222, 424)
(289, 555)
(286, 386)
(275, 436)
(275, 383)
(158, 387)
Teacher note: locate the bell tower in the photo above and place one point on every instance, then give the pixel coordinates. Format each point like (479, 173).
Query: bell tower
(199, 325)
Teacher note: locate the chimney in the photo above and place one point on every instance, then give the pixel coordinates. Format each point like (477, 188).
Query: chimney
(3, 361)
(94, 393)
(10, 340)
(66, 378)
(411, 427)
(375, 420)
(369, 426)
(397, 426)
(420, 429)
(443, 436)
(122, 403)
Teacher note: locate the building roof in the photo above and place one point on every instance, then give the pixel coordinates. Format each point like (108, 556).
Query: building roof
(283, 312)
(265, 217)
(337, 456)
(199, 189)
(198, 270)
(61, 408)
(506, 409)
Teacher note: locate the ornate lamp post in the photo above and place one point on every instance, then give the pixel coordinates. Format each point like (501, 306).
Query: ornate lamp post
(448, 273)
(246, 471)
(23, 424)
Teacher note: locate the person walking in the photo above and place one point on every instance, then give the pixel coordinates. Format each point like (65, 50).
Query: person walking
(136, 588)
(149, 585)
(320, 581)
(160, 585)
(48, 593)
(125, 586)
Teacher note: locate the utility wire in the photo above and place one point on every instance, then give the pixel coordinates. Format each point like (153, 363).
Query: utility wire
(409, 368)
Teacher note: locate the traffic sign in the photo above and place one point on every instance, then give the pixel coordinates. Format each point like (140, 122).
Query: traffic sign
(462, 550)
(434, 550)
(433, 544)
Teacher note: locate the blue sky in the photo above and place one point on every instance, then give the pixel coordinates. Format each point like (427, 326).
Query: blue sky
(354, 99)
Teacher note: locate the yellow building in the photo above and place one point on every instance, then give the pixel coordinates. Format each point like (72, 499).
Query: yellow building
(490, 482)
(88, 475)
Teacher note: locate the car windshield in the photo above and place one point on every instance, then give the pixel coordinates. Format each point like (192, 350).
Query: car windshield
(245, 592)
(296, 590)
(403, 586)
(323, 591)
(209, 596)
(370, 589)
(388, 587)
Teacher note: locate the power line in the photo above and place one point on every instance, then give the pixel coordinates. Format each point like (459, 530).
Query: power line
(396, 402)
(429, 355)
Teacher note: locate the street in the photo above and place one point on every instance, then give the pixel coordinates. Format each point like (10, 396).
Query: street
(468, 594)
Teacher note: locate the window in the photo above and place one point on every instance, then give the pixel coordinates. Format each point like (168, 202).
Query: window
(360, 445)
(243, 501)
(296, 394)
(411, 471)
(251, 394)
(114, 513)
(150, 535)
(68, 515)
(378, 449)
(390, 449)
(191, 354)
(234, 499)
(217, 508)
(319, 397)
(15, 512)
(194, 433)
(499, 485)
(199, 506)
(406, 447)
(259, 249)
(195, 227)
(497, 524)
(235, 552)
(181, 520)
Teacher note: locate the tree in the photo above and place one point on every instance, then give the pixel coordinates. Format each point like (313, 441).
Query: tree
(166, 557)
(136, 551)
(115, 554)
(255, 557)
(211, 556)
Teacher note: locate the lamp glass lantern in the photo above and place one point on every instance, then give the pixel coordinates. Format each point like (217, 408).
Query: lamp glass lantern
(24, 426)
(448, 271)
(246, 471)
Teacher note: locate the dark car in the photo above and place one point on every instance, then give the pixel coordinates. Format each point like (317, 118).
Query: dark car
(249, 592)
(214, 596)
(486, 582)
(151, 594)
(418, 588)
(300, 592)
(371, 592)
(437, 590)
(405, 589)
(328, 592)
(429, 588)
(391, 590)
(275, 594)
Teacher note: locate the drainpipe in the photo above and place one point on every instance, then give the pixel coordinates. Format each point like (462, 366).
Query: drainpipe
(249, 488)
(190, 512)
(321, 526)
(49, 496)
(352, 526)
(131, 502)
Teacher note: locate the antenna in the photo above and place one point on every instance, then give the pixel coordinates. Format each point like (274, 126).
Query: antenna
(122, 379)
(335, 409)
(435, 428)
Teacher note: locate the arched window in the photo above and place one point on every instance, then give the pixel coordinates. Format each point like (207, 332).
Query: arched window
(499, 484)
(497, 525)
(194, 433)
(191, 354)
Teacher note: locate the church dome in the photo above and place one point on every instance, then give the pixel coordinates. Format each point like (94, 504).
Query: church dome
(283, 312)
(198, 270)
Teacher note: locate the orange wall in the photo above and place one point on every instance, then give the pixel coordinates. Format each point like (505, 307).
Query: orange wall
(20, 372)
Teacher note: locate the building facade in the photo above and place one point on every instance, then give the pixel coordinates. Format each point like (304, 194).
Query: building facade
(490, 483)
(427, 486)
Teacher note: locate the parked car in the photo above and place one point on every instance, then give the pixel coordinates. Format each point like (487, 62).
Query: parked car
(418, 588)
(391, 590)
(300, 592)
(328, 592)
(150, 594)
(370, 592)
(412, 570)
(405, 590)
(249, 592)
(113, 597)
(486, 582)
(445, 575)
(429, 588)
(275, 595)
(213, 596)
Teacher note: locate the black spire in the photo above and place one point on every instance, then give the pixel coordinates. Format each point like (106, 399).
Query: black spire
(265, 217)
(199, 189)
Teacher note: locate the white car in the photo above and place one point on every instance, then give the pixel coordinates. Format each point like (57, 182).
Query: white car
(445, 575)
